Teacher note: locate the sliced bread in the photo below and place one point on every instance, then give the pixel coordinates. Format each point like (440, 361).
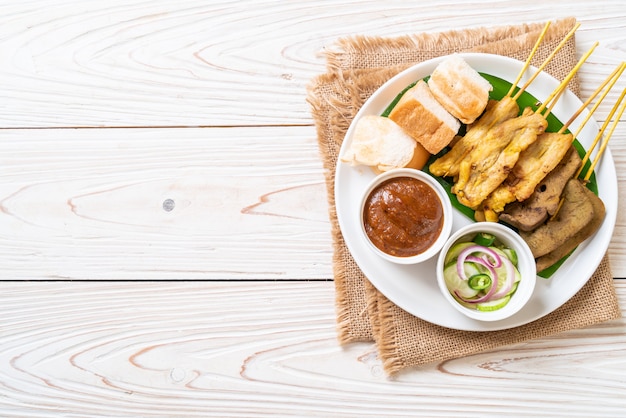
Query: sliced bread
(380, 143)
(424, 119)
(459, 88)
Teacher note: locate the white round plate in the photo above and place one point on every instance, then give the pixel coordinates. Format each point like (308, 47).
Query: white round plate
(414, 288)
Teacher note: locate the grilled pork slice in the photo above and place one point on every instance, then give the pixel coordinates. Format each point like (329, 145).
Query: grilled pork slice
(539, 159)
(599, 212)
(533, 165)
(497, 112)
(532, 212)
(574, 214)
(495, 158)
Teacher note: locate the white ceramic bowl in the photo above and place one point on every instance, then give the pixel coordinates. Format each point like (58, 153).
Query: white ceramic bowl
(526, 266)
(445, 204)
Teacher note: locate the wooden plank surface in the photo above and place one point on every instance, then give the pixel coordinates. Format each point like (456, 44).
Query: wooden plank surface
(163, 204)
(201, 349)
(165, 244)
(199, 63)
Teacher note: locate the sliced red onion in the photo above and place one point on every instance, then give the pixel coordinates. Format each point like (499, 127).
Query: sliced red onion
(509, 279)
(469, 251)
(481, 261)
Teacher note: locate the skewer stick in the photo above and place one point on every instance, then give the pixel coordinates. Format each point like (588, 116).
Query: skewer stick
(547, 61)
(603, 146)
(556, 99)
(611, 80)
(599, 135)
(605, 142)
(530, 57)
(567, 79)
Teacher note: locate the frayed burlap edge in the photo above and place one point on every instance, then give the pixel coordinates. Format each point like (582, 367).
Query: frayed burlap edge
(332, 111)
(366, 52)
(360, 51)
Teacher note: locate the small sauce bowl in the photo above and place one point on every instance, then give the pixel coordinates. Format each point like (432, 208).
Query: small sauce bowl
(525, 265)
(406, 216)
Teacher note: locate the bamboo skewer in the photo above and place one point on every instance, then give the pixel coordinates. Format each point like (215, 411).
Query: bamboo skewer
(547, 61)
(612, 79)
(554, 101)
(599, 135)
(567, 79)
(530, 57)
(605, 141)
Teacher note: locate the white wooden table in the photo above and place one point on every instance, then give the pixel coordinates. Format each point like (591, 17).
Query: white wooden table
(164, 237)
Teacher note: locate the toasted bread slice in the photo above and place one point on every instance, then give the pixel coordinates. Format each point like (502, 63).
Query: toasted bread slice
(424, 119)
(380, 143)
(460, 89)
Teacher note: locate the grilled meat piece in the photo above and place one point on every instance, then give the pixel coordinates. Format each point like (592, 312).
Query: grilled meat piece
(534, 163)
(544, 201)
(539, 159)
(495, 113)
(588, 230)
(498, 153)
(574, 214)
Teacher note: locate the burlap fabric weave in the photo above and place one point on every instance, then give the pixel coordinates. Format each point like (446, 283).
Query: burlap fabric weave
(357, 66)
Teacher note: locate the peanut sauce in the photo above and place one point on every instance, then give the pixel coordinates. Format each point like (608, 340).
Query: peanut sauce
(403, 216)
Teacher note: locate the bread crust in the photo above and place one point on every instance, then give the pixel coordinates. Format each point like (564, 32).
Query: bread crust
(380, 143)
(460, 89)
(422, 117)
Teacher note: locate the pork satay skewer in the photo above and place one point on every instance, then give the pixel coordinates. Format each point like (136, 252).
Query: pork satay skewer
(609, 82)
(536, 160)
(558, 149)
(596, 140)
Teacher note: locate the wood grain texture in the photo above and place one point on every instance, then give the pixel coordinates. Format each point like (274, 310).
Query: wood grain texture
(198, 63)
(168, 146)
(89, 204)
(269, 349)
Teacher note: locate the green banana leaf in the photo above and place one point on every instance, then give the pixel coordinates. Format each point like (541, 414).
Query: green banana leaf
(500, 89)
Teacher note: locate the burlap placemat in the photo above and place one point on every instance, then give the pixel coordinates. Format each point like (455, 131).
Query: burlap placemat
(357, 66)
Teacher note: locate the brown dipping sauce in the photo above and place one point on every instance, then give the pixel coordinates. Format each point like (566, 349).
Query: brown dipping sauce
(403, 216)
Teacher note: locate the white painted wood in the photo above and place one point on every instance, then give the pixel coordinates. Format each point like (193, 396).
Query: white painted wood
(235, 329)
(269, 349)
(199, 63)
(89, 204)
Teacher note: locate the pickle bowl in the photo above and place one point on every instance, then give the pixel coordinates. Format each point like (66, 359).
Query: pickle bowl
(492, 260)
(418, 222)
